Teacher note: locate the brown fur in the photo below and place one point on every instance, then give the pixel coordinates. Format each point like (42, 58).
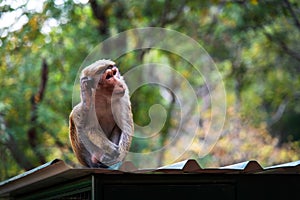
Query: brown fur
(101, 125)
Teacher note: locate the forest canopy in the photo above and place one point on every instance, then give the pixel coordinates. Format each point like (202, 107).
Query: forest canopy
(254, 46)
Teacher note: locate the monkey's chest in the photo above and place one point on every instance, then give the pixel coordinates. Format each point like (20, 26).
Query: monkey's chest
(107, 123)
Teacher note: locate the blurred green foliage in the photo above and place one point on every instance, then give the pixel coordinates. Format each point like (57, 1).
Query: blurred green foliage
(255, 45)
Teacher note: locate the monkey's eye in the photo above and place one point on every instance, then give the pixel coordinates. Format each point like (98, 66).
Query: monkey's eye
(100, 71)
(110, 67)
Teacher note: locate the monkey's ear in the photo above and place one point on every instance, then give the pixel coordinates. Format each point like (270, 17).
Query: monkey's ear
(91, 82)
(88, 81)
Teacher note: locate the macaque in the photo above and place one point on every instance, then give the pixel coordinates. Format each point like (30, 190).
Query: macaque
(101, 125)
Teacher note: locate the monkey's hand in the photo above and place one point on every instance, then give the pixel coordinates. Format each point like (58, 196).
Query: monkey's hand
(109, 159)
(105, 157)
(110, 154)
(86, 85)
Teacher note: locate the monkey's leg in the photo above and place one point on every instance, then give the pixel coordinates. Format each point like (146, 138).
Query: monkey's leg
(115, 135)
(112, 155)
(96, 163)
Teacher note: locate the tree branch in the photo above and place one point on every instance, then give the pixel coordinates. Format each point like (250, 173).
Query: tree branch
(165, 19)
(166, 128)
(35, 100)
(293, 14)
(279, 112)
(99, 14)
(12, 145)
(283, 46)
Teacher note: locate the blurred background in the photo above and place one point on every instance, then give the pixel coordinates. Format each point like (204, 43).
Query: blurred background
(254, 44)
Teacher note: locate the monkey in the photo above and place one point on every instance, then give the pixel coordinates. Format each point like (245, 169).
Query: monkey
(101, 124)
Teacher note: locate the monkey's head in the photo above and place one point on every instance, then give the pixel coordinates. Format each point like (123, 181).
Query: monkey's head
(104, 76)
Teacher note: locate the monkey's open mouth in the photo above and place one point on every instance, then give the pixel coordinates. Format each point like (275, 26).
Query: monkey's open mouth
(110, 72)
(108, 76)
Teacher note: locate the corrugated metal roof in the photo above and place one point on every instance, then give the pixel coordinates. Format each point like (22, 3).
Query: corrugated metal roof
(57, 170)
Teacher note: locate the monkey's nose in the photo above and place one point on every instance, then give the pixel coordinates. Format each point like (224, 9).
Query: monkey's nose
(109, 74)
(114, 70)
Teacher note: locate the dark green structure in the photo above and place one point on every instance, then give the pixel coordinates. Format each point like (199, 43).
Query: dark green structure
(184, 180)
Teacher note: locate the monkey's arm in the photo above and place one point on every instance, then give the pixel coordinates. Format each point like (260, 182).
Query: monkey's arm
(88, 118)
(87, 138)
(122, 135)
(82, 154)
(89, 147)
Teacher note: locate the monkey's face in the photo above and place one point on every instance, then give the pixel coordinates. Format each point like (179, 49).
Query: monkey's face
(105, 77)
(111, 82)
